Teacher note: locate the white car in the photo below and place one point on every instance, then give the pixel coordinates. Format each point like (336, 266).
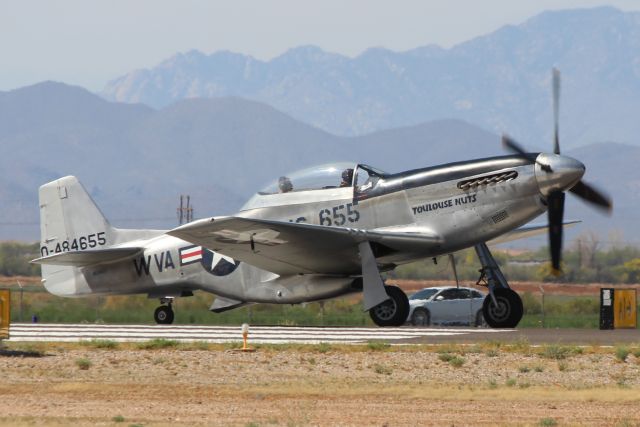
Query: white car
(446, 306)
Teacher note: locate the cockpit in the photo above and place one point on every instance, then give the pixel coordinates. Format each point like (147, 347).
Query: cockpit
(334, 179)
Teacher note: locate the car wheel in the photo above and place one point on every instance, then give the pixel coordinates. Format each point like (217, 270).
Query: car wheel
(392, 312)
(420, 317)
(508, 311)
(480, 320)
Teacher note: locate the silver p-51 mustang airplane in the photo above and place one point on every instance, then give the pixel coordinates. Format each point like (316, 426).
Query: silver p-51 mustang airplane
(317, 234)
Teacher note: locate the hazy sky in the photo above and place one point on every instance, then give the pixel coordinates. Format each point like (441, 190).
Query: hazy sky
(91, 42)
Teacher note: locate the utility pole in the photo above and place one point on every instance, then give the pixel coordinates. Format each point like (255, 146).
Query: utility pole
(185, 211)
(21, 292)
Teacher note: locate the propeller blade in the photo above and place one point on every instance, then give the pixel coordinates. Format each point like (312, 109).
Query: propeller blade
(589, 194)
(511, 145)
(555, 201)
(556, 108)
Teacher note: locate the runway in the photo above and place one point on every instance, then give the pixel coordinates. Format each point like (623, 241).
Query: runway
(47, 332)
(224, 334)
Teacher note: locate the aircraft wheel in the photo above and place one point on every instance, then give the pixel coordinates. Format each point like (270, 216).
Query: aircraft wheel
(163, 315)
(392, 312)
(507, 313)
(420, 317)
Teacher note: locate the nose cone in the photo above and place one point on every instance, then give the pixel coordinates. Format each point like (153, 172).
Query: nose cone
(556, 172)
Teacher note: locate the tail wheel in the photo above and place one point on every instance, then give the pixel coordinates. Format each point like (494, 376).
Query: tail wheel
(163, 315)
(508, 311)
(392, 312)
(420, 317)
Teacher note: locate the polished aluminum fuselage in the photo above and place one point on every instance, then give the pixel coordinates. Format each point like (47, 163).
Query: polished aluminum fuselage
(462, 204)
(428, 201)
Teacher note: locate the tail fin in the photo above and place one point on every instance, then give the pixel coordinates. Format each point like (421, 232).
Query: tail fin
(69, 218)
(70, 221)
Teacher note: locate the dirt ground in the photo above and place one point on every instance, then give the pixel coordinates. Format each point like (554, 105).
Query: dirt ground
(488, 384)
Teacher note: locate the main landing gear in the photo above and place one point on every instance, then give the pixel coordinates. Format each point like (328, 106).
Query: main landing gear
(392, 312)
(387, 305)
(164, 314)
(502, 308)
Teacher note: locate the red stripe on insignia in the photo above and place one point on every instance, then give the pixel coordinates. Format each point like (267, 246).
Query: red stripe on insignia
(191, 254)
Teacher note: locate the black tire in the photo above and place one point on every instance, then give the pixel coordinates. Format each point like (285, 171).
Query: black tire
(508, 312)
(421, 317)
(480, 319)
(392, 312)
(163, 315)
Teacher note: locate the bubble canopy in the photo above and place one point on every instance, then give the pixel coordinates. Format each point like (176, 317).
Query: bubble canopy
(313, 178)
(323, 177)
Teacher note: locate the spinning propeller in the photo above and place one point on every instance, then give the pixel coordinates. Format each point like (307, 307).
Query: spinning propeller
(562, 173)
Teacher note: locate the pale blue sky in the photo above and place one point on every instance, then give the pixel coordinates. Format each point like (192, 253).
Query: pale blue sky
(88, 43)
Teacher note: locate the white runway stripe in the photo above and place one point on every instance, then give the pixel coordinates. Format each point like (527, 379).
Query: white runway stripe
(222, 334)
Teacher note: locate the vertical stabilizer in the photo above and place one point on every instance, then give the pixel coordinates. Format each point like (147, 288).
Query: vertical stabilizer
(69, 221)
(69, 217)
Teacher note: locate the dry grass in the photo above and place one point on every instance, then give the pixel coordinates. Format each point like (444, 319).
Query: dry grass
(370, 384)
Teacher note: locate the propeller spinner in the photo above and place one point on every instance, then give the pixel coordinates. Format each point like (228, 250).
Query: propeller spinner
(556, 175)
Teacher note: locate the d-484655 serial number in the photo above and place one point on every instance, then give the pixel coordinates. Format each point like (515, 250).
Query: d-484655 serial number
(78, 244)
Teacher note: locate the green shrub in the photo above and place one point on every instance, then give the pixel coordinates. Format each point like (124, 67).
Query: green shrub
(381, 369)
(323, 347)
(556, 352)
(622, 353)
(457, 361)
(83, 363)
(446, 357)
(378, 345)
(157, 343)
(98, 343)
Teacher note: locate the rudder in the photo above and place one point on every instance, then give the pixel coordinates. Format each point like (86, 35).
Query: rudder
(70, 219)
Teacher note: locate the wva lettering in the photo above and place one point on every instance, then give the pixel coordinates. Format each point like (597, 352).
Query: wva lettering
(162, 261)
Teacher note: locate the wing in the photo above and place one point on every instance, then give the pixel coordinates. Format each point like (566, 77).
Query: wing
(88, 257)
(292, 248)
(528, 230)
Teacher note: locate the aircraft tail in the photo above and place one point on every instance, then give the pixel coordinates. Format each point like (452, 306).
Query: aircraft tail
(70, 219)
(71, 222)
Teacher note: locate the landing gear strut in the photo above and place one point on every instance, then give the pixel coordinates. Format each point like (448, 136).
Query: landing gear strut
(164, 314)
(502, 308)
(392, 312)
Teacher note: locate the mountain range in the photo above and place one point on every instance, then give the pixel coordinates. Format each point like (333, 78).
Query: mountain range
(499, 81)
(136, 160)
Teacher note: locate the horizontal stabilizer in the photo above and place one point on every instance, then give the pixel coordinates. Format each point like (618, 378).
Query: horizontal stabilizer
(88, 257)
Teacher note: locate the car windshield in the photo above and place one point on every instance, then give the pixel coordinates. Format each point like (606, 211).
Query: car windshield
(424, 294)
